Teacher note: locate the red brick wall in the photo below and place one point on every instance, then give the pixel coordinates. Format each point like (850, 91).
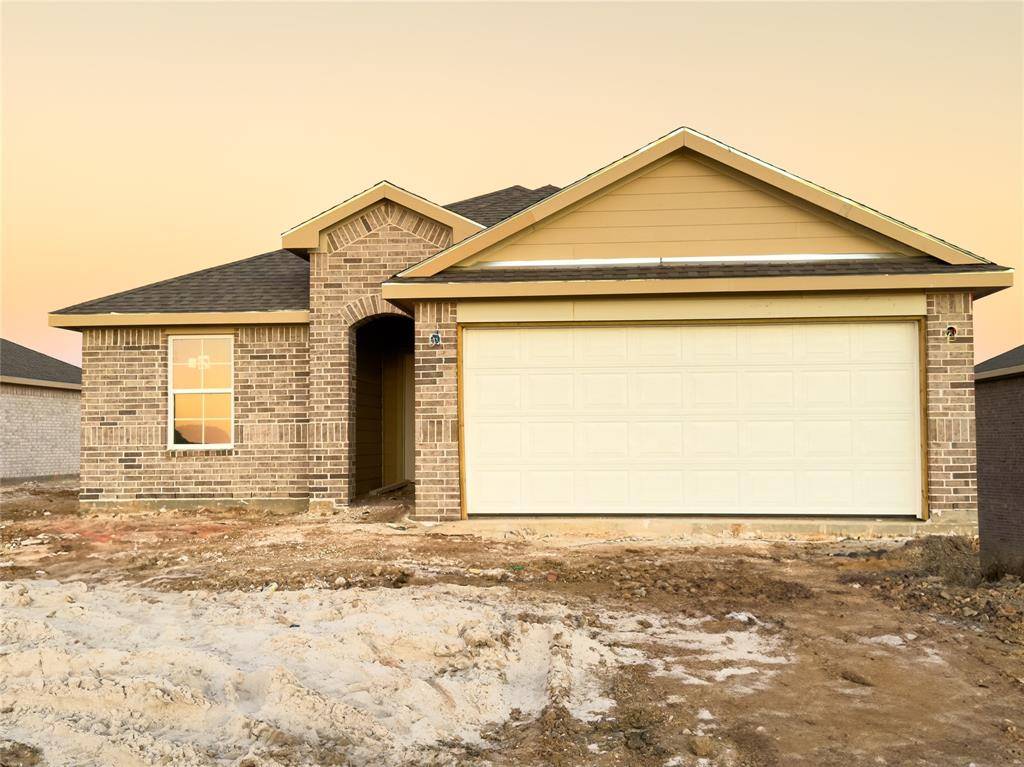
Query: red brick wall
(356, 256)
(952, 478)
(1000, 403)
(124, 420)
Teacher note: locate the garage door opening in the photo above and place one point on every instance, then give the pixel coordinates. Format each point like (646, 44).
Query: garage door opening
(384, 431)
(786, 419)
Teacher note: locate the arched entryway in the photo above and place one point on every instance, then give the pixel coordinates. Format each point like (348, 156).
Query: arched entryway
(384, 420)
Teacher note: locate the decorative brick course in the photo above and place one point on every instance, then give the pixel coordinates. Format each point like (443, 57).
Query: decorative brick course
(40, 433)
(952, 477)
(355, 257)
(124, 420)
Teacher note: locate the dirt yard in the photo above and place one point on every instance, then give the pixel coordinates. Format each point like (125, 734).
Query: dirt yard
(255, 639)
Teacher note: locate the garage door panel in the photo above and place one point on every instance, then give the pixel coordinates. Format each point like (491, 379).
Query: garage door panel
(656, 440)
(712, 491)
(768, 390)
(823, 389)
(824, 438)
(602, 489)
(711, 439)
(829, 342)
(497, 392)
(549, 439)
(498, 440)
(767, 344)
(604, 390)
(767, 488)
(549, 489)
(712, 390)
(734, 419)
(711, 344)
(657, 490)
(886, 388)
(826, 490)
(548, 391)
(602, 441)
(654, 345)
(885, 438)
(767, 439)
(656, 390)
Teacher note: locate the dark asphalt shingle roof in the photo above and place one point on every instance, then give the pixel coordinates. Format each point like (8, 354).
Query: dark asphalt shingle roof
(275, 281)
(19, 361)
(1011, 359)
(488, 209)
(676, 270)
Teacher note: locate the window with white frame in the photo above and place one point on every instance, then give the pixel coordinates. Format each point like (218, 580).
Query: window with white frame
(200, 392)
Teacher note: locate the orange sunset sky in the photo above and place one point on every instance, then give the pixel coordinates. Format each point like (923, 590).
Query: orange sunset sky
(143, 141)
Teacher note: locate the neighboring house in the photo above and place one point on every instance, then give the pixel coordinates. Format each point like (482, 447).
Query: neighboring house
(688, 330)
(39, 414)
(999, 386)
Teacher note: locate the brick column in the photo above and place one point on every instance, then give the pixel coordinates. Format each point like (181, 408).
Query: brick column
(952, 477)
(437, 418)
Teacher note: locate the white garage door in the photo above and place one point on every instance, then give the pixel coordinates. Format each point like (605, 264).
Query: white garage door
(801, 418)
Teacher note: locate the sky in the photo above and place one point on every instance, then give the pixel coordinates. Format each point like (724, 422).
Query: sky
(143, 141)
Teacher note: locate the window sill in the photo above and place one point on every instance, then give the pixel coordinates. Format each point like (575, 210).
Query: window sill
(185, 450)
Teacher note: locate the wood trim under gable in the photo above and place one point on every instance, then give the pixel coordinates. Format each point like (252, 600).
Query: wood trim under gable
(940, 281)
(290, 317)
(41, 383)
(715, 150)
(307, 234)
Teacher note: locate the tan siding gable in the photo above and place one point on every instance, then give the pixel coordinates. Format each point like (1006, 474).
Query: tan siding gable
(684, 206)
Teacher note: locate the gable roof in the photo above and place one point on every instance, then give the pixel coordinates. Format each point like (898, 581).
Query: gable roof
(19, 364)
(488, 209)
(274, 281)
(307, 234)
(1005, 364)
(713, 149)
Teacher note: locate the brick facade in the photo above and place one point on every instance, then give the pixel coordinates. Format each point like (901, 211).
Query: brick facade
(952, 477)
(355, 257)
(295, 393)
(40, 434)
(438, 485)
(1000, 404)
(124, 420)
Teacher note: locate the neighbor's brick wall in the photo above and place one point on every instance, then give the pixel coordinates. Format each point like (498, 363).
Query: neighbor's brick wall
(355, 257)
(124, 420)
(952, 477)
(1000, 404)
(39, 436)
(437, 417)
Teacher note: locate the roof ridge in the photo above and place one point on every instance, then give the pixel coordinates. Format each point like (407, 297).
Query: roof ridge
(207, 270)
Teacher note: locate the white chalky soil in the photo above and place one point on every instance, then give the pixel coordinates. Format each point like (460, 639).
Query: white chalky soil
(118, 675)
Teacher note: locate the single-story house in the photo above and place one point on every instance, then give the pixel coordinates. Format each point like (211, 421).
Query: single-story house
(39, 413)
(686, 331)
(999, 386)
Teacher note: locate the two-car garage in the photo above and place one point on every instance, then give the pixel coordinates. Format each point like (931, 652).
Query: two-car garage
(774, 417)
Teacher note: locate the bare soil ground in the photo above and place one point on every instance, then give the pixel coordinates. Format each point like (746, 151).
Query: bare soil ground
(554, 650)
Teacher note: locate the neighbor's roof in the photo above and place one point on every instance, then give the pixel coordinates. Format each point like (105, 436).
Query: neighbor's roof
(488, 209)
(275, 281)
(1005, 364)
(19, 364)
